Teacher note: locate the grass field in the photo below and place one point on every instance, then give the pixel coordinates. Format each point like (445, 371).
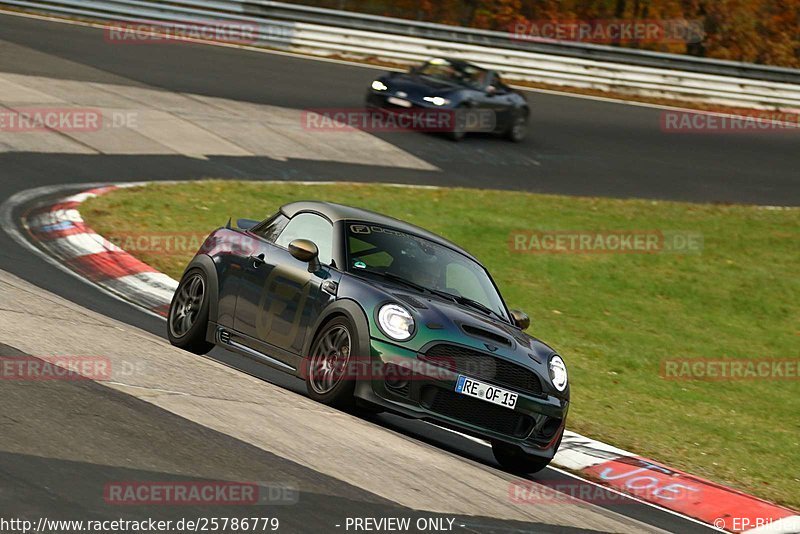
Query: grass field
(614, 317)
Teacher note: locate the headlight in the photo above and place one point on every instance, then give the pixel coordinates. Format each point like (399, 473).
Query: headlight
(396, 322)
(436, 100)
(379, 85)
(558, 372)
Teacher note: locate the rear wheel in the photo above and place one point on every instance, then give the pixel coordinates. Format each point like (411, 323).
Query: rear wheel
(514, 459)
(329, 373)
(187, 320)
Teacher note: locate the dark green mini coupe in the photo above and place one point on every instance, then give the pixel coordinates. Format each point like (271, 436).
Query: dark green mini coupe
(371, 311)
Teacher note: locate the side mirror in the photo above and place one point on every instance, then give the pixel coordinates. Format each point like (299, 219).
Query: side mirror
(305, 250)
(520, 319)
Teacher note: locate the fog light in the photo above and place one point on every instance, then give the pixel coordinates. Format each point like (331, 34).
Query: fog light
(394, 377)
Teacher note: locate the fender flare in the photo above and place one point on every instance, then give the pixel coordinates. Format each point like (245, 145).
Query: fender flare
(207, 265)
(350, 309)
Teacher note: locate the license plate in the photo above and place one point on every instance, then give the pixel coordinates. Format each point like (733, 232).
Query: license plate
(486, 392)
(399, 102)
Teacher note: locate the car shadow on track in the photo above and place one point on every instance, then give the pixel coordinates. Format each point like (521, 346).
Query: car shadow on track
(478, 451)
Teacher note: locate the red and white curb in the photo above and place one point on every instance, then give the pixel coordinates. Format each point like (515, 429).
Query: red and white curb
(689, 495)
(60, 232)
(59, 229)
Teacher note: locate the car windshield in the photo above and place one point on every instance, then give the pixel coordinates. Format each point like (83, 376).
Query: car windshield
(423, 264)
(460, 73)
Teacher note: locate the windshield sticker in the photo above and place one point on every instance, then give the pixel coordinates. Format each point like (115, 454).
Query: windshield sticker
(360, 265)
(365, 229)
(360, 229)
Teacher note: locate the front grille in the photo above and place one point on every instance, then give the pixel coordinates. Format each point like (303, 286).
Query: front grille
(483, 366)
(476, 412)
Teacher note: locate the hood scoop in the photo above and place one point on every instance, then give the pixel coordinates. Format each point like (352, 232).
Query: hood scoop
(482, 333)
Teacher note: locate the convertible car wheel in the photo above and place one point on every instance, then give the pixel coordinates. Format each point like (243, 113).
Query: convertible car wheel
(518, 129)
(516, 460)
(188, 314)
(329, 376)
(458, 132)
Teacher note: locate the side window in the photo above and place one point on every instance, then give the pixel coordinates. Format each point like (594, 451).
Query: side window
(270, 228)
(312, 227)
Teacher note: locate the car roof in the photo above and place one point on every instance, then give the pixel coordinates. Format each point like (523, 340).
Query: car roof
(339, 212)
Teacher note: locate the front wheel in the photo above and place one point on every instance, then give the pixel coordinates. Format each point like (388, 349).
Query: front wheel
(187, 320)
(514, 459)
(458, 131)
(330, 376)
(518, 129)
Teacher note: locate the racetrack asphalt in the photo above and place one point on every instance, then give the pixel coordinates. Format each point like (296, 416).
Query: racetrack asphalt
(577, 147)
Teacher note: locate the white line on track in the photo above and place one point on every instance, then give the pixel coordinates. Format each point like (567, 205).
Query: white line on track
(587, 481)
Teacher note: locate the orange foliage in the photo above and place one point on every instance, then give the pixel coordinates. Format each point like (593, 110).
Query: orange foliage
(760, 31)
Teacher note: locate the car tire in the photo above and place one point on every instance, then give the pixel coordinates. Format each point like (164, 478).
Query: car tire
(187, 320)
(514, 459)
(457, 134)
(329, 367)
(518, 130)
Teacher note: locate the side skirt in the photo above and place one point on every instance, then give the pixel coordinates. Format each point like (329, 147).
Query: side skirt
(239, 343)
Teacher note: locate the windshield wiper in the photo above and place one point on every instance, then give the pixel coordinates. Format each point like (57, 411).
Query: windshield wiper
(464, 301)
(396, 279)
(467, 302)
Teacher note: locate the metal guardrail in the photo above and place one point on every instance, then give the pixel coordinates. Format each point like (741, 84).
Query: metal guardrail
(330, 32)
(496, 39)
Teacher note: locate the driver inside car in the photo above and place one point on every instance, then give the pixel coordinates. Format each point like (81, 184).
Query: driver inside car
(420, 268)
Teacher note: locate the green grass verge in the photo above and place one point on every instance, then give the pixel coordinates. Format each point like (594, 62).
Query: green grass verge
(614, 317)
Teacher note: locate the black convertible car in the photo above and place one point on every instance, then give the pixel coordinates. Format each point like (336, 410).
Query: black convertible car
(452, 84)
(372, 311)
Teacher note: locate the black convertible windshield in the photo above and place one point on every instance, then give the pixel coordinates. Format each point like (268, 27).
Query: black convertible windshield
(424, 264)
(459, 73)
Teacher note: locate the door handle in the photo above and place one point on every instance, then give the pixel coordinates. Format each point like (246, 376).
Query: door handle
(258, 261)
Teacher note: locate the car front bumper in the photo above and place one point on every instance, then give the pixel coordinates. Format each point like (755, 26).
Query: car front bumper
(423, 391)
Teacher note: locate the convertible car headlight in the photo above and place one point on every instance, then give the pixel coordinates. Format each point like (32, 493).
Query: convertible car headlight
(396, 322)
(436, 100)
(379, 85)
(558, 372)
